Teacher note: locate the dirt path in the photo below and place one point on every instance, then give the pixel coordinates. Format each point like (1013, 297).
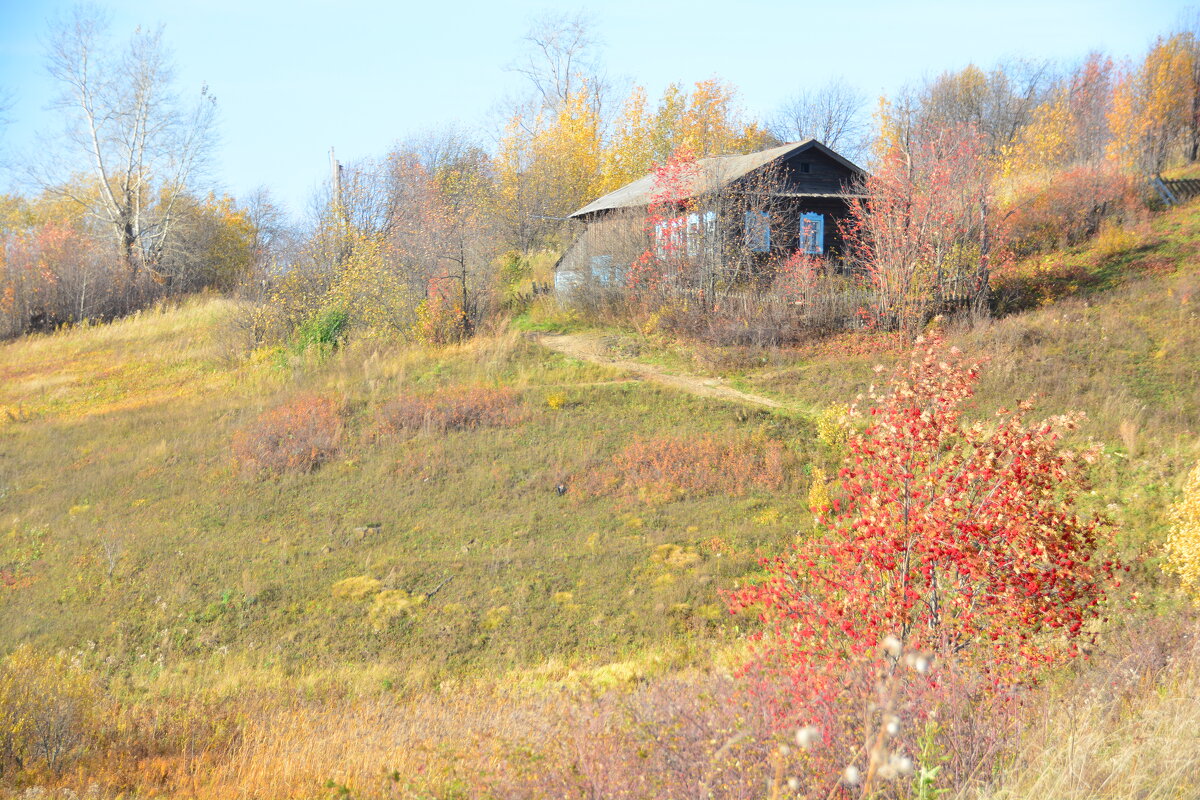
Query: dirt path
(587, 347)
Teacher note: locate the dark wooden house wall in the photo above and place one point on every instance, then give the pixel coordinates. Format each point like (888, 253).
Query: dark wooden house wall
(787, 222)
(825, 174)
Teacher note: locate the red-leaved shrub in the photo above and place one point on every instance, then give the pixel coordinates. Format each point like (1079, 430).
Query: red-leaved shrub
(953, 566)
(298, 436)
(458, 408)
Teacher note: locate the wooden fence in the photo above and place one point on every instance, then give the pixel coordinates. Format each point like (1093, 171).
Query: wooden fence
(1174, 192)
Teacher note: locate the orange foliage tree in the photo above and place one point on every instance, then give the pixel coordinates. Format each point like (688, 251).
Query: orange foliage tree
(1155, 107)
(924, 234)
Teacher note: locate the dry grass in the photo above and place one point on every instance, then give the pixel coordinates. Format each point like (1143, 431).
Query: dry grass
(1127, 725)
(456, 408)
(668, 467)
(297, 436)
(1127, 728)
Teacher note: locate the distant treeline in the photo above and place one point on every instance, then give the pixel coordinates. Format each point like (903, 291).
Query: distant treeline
(430, 239)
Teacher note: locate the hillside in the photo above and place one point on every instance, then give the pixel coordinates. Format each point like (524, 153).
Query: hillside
(119, 477)
(128, 521)
(577, 538)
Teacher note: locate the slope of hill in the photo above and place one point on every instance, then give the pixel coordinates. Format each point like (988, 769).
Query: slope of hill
(129, 523)
(580, 537)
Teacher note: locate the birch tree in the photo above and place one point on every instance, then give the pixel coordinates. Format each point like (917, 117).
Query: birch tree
(141, 144)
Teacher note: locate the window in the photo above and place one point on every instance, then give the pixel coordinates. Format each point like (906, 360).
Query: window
(758, 232)
(669, 237)
(603, 271)
(693, 235)
(708, 233)
(805, 167)
(812, 234)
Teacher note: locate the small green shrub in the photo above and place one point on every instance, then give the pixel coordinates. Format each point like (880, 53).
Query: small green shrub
(324, 331)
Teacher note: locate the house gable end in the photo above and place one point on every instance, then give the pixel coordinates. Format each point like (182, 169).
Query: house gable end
(813, 170)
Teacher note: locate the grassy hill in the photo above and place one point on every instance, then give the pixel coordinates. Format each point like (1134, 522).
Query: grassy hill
(579, 537)
(128, 521)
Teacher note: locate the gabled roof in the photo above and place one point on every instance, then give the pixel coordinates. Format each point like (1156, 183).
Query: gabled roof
(712, 173)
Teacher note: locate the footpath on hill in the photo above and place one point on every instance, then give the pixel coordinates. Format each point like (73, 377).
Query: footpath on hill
(590, 347)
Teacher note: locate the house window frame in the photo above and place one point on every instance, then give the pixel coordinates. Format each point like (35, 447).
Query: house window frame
(708, 223)
(757, 230)
(811, 244)
(694, 235)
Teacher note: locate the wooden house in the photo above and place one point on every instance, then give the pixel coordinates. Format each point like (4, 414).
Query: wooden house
(742, 214)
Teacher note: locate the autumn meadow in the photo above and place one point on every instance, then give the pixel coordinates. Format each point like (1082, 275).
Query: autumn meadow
(600, 455)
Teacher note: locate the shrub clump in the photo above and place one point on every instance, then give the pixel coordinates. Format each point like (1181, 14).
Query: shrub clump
(48, 711)
(324, 331)
(953, 568)
(1070, 207)
(833, 426)
(356, 588)
(1183, 542)
(392, 604)
(460, 408)
(298, 436)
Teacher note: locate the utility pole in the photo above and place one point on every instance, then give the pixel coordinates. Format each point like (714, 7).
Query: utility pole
(335, 175)
(340, 216)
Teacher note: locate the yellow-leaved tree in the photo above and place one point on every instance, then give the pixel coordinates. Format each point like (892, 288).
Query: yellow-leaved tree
(707, 121)
(1154, 107)
(1045, 143)
(547, 165)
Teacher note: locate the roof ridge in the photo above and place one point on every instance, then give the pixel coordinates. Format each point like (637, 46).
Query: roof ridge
(636, 192)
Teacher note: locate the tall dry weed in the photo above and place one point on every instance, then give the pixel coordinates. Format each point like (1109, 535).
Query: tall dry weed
(457, 408)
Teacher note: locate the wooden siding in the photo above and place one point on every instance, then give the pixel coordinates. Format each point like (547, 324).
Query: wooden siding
(825, 175)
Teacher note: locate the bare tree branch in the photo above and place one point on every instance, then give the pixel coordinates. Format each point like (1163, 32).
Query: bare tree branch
(561, 55)
(832, 114)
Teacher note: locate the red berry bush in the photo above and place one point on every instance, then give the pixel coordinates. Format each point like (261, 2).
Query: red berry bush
(951, 559)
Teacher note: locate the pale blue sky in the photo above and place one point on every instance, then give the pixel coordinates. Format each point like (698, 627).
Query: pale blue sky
(294, 77)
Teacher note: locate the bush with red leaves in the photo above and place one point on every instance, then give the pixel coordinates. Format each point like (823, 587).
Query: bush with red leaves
(298, 436)
(949, 543)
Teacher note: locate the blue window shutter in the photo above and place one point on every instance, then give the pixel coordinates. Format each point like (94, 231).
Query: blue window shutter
(812, 234)
(602, 270)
